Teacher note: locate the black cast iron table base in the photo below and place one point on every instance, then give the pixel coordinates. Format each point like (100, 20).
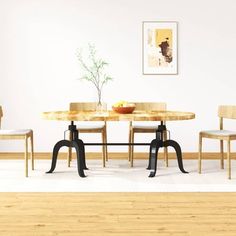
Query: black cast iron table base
(79, 147)
(155, 145)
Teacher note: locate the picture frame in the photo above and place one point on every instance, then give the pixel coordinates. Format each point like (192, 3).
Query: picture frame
(160, 54)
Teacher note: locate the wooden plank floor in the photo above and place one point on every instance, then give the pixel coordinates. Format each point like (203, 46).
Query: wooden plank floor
(28, 214)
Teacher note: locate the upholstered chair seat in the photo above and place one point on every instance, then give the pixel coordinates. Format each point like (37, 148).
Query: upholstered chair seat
(15, 132)
(90, 126)
(219, 133)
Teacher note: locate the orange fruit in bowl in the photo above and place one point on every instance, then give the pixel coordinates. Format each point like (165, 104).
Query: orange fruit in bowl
(123, 107)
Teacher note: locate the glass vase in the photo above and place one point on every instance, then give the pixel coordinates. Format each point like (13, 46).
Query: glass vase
(99, 107)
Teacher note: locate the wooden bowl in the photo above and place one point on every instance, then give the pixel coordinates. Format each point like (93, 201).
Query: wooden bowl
(124, 110)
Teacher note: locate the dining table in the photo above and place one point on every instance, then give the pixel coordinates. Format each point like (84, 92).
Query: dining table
(154, 146)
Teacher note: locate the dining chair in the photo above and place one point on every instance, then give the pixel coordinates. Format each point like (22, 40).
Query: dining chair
(91, 127)
(224, 112)
(19, 134)
(138, 127)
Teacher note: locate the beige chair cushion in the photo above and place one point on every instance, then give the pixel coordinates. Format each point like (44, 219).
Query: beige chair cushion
(143, 126)
(219, 132)
(15, 131)
(90, 126)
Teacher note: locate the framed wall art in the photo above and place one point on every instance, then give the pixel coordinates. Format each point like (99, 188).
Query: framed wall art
(160, 48)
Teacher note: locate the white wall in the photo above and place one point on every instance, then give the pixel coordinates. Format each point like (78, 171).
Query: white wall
(39, 68)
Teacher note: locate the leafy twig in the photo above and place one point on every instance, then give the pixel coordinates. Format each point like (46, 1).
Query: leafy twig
(94, 73)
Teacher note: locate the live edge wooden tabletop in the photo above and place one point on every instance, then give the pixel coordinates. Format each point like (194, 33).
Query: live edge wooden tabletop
(113, 116)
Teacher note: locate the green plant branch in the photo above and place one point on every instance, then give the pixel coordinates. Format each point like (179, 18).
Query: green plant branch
(95, 72)
(86, 67)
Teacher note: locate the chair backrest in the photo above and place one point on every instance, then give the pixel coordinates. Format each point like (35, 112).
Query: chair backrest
(1, 115)
(150, 106)
(85, 106)
(226, 111)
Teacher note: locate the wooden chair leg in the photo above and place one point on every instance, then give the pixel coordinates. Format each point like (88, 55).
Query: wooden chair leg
(132, 150)
(69, 156)
(129, 151)
(26, 156)
(103, 149)
(229, 160)
(105, 138)
(166, 151)
(32, 149)
(222, 154)
(200, 155)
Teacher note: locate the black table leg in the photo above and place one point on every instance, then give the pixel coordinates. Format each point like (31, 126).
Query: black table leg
(158, 143)
(79, 147)
(81, 165)
(150, 154)
(154, 147)
(81, 153)
(176, 146)
(56, 149)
